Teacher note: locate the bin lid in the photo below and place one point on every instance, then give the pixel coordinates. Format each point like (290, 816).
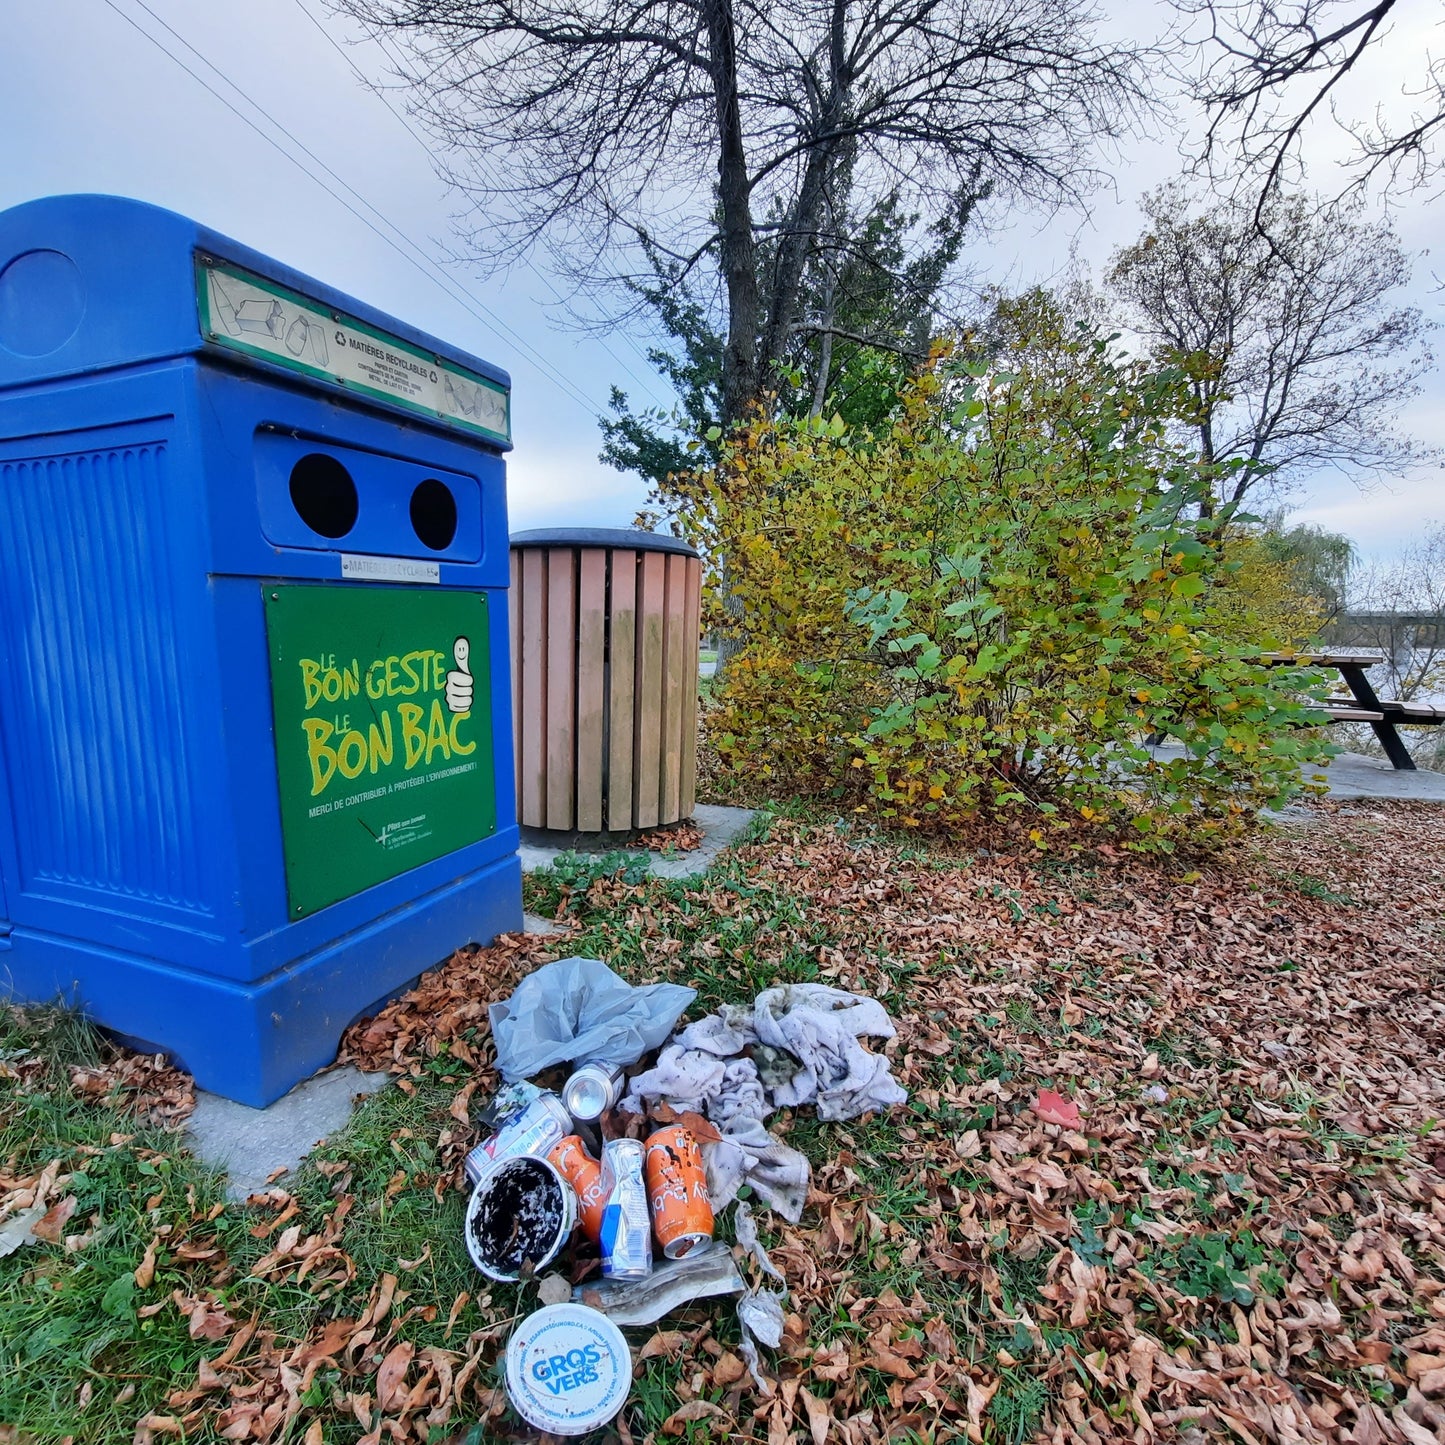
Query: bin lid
(92, 283)
(616, 537)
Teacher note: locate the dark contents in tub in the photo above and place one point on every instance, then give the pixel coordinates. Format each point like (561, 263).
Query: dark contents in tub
(518, 1218)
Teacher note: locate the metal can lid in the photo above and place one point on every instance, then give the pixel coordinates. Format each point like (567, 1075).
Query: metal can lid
(568, 1369)
(588, 1092)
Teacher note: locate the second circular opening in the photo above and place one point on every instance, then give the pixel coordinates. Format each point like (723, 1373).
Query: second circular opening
(434, 514)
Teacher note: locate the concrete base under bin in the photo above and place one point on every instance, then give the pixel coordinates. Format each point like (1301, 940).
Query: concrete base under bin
(721, 827)
(563, 841)
(254, 1042)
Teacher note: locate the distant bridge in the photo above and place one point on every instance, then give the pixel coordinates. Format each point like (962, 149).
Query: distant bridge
(1387, 629)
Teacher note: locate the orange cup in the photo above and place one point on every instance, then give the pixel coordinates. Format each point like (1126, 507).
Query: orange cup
(584, 1174)
(677, 1192)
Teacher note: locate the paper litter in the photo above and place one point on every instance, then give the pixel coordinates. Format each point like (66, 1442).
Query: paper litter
(760, 1311)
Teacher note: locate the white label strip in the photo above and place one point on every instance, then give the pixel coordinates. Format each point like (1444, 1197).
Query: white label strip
(389, 569)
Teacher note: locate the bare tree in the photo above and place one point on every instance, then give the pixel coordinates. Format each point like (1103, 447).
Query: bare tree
(1297, 358)
(698, 131)
(1399, 607)
(1272, 67)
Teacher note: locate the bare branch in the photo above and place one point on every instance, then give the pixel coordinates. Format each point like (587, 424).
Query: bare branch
(605, 129)
(1270, 68)
(1299, 361)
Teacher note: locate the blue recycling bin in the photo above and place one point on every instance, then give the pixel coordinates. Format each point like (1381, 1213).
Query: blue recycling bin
(255, 722)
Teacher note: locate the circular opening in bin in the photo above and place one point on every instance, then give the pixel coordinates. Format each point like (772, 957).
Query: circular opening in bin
(434, 514)
(324, 495)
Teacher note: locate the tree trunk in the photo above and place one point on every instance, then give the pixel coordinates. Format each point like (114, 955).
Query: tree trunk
(795, 243)
(825, 349)
(739, 260)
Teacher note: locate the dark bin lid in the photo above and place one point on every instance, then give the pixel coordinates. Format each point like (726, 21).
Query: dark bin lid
(620, 537)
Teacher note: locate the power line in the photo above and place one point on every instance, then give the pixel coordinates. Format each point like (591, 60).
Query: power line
(380, 41)
(426, 264)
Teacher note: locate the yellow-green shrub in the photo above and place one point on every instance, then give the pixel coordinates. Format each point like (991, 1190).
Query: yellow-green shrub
(989, 606)
(1263, 599)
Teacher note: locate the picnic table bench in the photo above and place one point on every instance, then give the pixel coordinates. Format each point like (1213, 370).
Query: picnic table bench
(1363, 705)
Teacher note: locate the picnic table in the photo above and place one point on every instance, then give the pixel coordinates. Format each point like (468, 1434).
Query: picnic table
(1384, 715)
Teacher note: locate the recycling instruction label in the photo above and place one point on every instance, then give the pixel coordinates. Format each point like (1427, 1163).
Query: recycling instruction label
(248, 314)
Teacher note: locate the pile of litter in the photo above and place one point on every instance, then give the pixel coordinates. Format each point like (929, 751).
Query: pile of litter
(701, 1099)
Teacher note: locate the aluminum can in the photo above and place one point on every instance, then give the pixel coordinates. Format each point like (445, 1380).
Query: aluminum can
(591, 1091)
(533, 1128)
(584, 1174)
(626, 1224)
(677, 1191)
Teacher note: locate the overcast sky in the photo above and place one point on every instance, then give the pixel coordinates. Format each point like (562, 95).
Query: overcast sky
(89, 103)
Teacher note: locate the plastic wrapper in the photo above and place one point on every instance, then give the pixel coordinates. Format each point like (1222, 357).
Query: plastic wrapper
(673, 1285)
(577, 1009)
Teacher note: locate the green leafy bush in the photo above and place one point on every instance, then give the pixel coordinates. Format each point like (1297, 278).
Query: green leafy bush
(992, 603)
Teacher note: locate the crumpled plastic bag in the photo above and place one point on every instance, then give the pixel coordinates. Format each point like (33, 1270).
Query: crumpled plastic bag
(760, 1311)
(672, 1285)
(578, 1010)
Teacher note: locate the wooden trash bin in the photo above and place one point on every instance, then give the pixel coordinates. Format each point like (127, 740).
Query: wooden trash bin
(605, 641)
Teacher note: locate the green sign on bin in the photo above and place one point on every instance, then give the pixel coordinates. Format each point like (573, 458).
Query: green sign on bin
(383, 732)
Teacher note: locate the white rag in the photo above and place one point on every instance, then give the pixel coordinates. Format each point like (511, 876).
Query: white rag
(820, 1027)
(748, 1154)
(687, 1080)
(810, 1034)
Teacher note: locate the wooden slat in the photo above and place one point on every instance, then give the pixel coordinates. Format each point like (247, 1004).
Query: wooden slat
(693, 639)
(1323, 659)
(674, 648)
(561, 687)
(1417, 712)
(647, 708)
(532, 701)
(514, 624)
(621, 652)
(1340, 713)
(591, 684)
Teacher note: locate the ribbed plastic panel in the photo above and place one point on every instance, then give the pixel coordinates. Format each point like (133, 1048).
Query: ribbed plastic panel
(94, 714)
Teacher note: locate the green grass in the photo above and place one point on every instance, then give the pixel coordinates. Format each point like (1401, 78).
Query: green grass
(1313, 887)
(1017, 1409)
(78, 1322)
(69, 1321)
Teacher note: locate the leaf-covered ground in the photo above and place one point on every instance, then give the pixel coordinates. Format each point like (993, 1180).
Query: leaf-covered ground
(1245, 1239)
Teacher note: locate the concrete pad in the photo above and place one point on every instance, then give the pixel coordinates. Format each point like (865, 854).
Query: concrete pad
(720, 827)
(251, 1144)
(1353, 775)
